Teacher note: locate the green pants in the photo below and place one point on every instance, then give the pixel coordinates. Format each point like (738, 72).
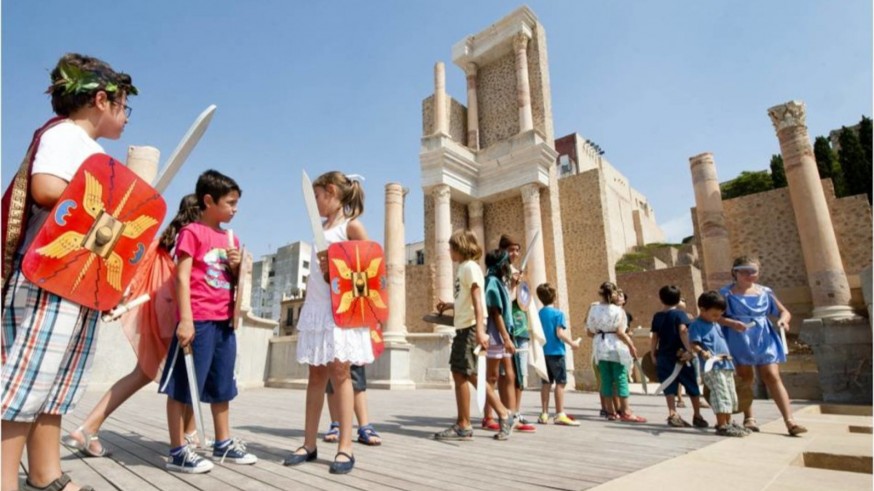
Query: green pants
(613, 372)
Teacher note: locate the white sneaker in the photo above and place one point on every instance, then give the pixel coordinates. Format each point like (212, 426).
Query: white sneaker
(188, 462)
(235, 452)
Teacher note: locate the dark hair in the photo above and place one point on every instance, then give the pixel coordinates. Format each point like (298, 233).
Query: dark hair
(546, 293)
(498, 263)
(742, 261)
(351, 193)
(464, 243)
(214, 184)
(608, 292)
(507, 241)
(77, 78)
(189, 212)
(670, 295)
(711, 300)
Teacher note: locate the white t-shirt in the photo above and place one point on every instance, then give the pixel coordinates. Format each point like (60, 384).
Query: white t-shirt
(61, 151)
(468, 274)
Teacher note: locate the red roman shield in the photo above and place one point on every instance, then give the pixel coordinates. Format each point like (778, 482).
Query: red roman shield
(359, 295)
(96, 236)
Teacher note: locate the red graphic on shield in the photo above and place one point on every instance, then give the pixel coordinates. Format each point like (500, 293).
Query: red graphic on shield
(359, 295)
(93, 241)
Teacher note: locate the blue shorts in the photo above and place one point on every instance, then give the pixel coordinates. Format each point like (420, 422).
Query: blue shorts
(665, 365)
(215, 352)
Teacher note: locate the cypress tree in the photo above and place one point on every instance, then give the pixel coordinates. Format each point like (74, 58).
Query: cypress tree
(828, 165)
(857, 172)
(778, 173)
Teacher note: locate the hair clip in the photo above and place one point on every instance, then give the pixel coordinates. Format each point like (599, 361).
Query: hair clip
(355, 177)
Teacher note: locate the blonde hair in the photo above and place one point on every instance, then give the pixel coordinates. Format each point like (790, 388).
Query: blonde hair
(464, 243)
(351, 194)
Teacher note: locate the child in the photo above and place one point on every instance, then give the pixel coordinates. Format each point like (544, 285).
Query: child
(366, 432)
(151, 338)
(326, 348)
(670, 345)
(470, 306)
(613, 350)
(708, 342)
(47, 358)
(555, 330)
(205, 276)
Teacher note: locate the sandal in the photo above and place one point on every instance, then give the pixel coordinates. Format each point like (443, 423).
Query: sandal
(751, 424)
(83, 446)
(632, 418)
(333, 434)
(795, 429)
(56, 485)
(368, 436)
(341, 467)
(612, 416)
(676, 421)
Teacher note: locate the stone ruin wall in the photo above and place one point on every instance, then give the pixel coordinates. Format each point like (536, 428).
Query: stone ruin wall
(538, 81)
(643, 288)
(420, 296)
(763, 225)
(457, 118)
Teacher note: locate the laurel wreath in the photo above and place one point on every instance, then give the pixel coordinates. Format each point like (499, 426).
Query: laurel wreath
(75, 80)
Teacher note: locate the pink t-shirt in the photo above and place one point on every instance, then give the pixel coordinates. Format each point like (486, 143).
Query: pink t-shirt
(212, 284)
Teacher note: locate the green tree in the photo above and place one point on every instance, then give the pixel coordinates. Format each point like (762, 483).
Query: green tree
(746, 183)
(828, 164)
(865, 137)
(778, 173)
(857, 171)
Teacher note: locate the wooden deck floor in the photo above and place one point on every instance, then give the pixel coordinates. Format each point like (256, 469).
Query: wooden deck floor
(271, 421)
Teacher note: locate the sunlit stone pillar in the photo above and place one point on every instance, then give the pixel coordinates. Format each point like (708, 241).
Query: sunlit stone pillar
(715, 243)
(523, 89)
(472, 110)
(144, 162)
(441, 119)
(442, 232)
(475, 224)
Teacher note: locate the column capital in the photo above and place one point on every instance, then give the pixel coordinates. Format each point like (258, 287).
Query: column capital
(441, 193)
(475, 209)
(788, 115)
(520, 41)
(530, 193)
(470, 69)
(701, 158)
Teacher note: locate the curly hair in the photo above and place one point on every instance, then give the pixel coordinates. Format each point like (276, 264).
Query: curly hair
(77, 78)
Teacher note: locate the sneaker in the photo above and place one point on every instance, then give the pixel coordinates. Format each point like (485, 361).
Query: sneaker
(731, 430)
(676, 421)
(193, 440)
(234, 451)
(490, 424)
(745, 430)
(699, 422)
(505, 426)
(188, 462)
(543, 419)
(563, 420)
(454, 433)
(520, 419)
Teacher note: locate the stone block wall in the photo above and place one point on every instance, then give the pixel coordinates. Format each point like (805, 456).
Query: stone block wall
(643, 290)
(420, 296)
(503, 217)
(496, 100)
(457, 118)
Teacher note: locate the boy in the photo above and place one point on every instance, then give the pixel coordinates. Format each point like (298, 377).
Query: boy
(555, 330)
(708, 342)
(670, 345)
(205, 276)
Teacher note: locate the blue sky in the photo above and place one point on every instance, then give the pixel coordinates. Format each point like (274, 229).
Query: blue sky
(338, 85)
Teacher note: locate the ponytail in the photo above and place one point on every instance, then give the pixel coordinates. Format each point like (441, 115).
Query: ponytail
(189, 212)
(350, 192)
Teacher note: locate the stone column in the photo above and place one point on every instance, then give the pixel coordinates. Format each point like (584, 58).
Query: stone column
(144, 162)
(523, 89)
(715, 243)
(472, 111)
(825, 271)
(536, 266)
(392, 369)
(442, 231)
(475, 213)
(441, 119)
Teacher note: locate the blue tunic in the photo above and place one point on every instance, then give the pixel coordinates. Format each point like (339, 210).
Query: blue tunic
(759, 344)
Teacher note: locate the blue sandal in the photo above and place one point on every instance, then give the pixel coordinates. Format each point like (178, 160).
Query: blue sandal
(366, 436)
(333, 434)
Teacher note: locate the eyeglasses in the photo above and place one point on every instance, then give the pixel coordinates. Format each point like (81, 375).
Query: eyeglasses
(127, 109)
(747, 272)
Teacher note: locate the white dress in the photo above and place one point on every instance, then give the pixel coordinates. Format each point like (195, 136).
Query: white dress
(605, 320)
(319, 340)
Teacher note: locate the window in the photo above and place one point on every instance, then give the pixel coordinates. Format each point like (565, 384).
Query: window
(306, 265)
(289, 316)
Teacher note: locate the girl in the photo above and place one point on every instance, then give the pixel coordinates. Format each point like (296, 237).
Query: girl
(469, 306)
(501, 347)
(47, 358)
(614, 351)
(326, 348)
(752, 338)
(150, 328)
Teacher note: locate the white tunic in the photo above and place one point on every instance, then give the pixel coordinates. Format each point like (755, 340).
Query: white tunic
(319, 340)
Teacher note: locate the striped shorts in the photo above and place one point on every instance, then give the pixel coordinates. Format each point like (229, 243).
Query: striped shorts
(47, 348)
(723, 396)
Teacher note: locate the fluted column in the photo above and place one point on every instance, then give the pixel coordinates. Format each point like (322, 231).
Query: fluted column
(442, 231)
(715, 243)
(536, 266)
(523, 89)
(395, 265)
(475, 215)
(825, 271)
(441, 120)
(472, 110)
(144, 162)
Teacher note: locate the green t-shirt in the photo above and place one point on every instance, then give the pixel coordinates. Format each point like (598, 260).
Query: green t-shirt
(520, 322)
(497, 296)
